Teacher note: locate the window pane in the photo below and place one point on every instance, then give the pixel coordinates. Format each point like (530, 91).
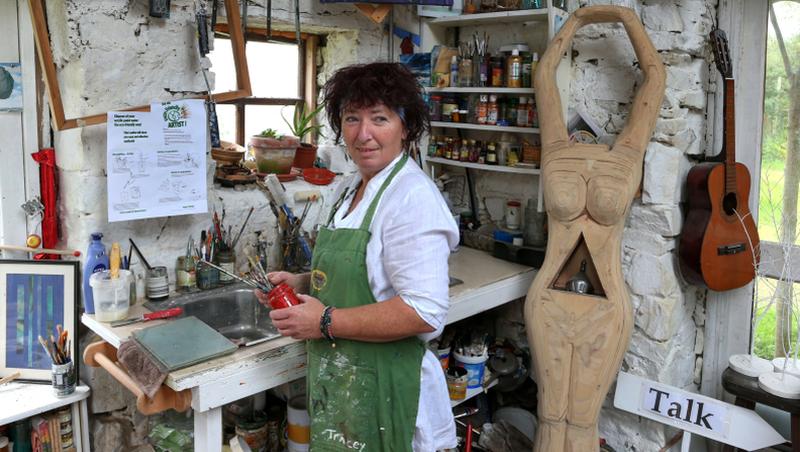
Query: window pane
(260, 117)
(778, 202)
(274, 69)
(222, 66)
(226, 116)
(771, 295)
(775, 313)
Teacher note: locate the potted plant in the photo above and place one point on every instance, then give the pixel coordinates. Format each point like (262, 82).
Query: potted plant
(274, 153)
(302, 124)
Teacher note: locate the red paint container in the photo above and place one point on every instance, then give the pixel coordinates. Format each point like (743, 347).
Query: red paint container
(282, 296)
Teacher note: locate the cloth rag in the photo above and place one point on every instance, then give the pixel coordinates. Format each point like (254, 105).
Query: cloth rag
(144, 370)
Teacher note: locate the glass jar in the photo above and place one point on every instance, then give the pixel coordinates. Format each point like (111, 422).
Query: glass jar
(157, 283)
(185, 276)
(226, 261)
(497, 71)
(436, 108)
(207, 276)
(448, 105)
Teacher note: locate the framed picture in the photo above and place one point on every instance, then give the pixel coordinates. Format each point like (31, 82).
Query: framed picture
(35, 297)
(10, 87)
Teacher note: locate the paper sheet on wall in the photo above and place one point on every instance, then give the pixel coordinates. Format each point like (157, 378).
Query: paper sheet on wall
(156, 162)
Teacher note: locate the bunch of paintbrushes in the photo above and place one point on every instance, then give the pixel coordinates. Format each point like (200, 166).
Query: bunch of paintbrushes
(58, 349)
(218, 237)
(257, 278)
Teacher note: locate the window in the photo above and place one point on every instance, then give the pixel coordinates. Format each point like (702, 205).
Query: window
(280, 77)
(776, 292)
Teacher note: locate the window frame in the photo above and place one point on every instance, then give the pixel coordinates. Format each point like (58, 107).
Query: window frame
(745, 23)
(307, 82)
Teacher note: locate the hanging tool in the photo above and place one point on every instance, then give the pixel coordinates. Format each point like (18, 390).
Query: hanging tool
(157, 315)
(297, 21)
(268, 13)
(26, 249)
(211, 106)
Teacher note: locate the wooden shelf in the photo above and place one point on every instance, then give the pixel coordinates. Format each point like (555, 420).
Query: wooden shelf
(502, 17)
(472, 392)
(482, 166)
(469, 126)
(478, 90)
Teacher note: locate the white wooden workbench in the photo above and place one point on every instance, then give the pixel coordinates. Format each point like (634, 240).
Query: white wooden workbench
(488, 283)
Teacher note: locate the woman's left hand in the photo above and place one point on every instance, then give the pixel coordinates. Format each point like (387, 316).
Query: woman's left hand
(301, 321)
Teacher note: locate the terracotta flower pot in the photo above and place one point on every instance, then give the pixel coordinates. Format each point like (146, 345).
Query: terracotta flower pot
(305, 156)
(274, 155)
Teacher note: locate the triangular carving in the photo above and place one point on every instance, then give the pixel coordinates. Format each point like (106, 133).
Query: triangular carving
(572, 266)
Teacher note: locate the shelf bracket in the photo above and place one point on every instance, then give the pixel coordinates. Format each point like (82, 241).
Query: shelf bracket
(376, 13)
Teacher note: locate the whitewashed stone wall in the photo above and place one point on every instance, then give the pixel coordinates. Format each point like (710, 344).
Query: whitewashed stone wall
(667, 342)
(111, 55)
(94, 40)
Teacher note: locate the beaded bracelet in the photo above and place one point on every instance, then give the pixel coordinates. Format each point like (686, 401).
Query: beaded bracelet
(325, 325)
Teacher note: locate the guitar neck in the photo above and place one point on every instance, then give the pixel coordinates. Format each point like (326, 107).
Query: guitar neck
(729, 140)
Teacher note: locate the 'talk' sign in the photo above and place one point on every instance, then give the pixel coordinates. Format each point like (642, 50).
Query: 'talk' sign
(694, 413)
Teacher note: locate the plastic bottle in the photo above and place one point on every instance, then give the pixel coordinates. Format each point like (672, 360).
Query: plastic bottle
(522, 112)
(483, 106)
(454, 71)
(534, 63)
(514, 70)
(96, 261)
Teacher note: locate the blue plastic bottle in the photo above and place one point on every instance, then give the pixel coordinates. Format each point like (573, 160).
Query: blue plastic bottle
(96, 261)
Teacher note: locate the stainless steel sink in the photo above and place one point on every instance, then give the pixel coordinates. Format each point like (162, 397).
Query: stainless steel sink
(232, 310)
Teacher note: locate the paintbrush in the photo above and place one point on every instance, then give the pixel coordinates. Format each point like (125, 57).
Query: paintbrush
(139, 253)
(246, 219)
(9, 378)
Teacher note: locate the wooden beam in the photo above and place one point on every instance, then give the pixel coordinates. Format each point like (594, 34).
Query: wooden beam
(45, 52)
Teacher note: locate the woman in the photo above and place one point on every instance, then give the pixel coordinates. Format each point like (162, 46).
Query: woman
(379, 281)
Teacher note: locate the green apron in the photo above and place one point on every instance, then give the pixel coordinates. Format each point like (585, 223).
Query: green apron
(363, 396)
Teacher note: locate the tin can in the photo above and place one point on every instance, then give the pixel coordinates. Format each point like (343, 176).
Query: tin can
(63, 379)
(282, 296)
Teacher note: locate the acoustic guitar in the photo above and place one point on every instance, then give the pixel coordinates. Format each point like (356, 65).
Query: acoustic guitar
(719, 246)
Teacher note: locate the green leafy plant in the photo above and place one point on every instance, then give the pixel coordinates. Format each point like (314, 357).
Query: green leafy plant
(303, 121)
(270, 133)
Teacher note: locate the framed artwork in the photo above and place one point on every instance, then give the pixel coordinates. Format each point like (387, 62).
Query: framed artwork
(10, 87)
(35, 297)
(45, 53)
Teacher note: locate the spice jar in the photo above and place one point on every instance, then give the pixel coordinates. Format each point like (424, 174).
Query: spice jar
(491, 154)
(497, 71)
(448, 105)
(436, 108)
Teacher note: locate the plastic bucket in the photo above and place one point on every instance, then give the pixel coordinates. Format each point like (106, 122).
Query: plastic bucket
(298, 429)
(111, 295)
(474, 365)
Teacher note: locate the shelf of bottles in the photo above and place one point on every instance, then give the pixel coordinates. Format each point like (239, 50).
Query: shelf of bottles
(526, 169)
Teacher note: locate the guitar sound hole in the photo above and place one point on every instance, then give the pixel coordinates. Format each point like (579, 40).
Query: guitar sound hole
(729, 203)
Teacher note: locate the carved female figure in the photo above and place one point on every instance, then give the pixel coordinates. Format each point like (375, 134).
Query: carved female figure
(578, 339)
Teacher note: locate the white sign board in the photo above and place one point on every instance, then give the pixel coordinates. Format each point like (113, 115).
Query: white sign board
(694, 413)
(156, 161)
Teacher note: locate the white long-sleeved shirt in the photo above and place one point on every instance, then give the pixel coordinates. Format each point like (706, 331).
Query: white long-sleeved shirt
(413, 233)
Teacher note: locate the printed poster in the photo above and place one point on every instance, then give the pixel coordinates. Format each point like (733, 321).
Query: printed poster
(156, 162)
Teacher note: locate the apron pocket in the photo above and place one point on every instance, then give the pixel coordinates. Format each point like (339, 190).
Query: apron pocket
(343, 405)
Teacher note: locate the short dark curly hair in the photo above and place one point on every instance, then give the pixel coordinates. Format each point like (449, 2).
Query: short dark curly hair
(366, 85)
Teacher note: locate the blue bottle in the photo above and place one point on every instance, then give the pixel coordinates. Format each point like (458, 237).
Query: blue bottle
(96, 261)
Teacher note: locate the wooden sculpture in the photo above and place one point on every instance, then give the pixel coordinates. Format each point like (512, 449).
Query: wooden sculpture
(578, 339)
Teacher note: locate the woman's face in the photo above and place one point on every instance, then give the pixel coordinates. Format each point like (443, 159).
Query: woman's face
(374, 137)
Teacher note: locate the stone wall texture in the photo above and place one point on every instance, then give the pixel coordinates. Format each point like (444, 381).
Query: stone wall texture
(112, 55)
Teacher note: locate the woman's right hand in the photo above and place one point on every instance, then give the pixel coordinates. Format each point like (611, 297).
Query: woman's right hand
(290, 279)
